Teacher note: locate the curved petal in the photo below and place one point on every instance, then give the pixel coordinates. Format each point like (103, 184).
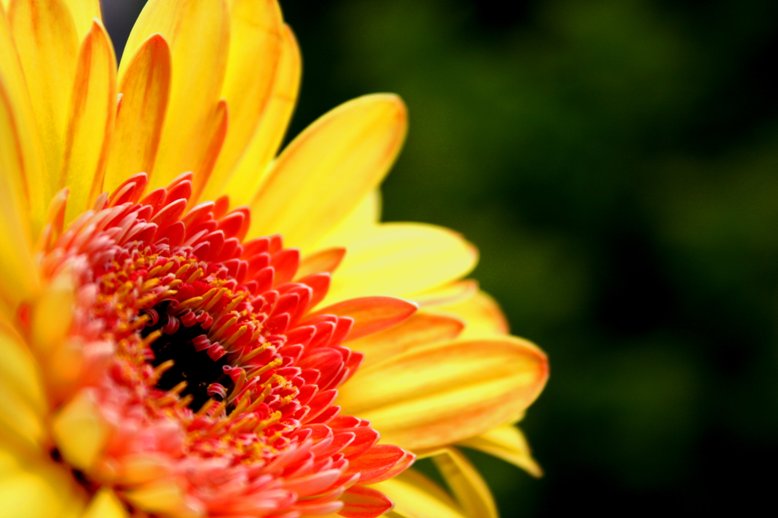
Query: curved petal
(401, 259)
(90, 120)
(84, 12)
(508, 443)
(251, 170)
(256, 43)
(326, 171)
(198, 35)
(419, 330)
(415, 496)
(144, 91)
(434, 396)
(18, 281)
(47, 42)
(469, 488)
(106, 505)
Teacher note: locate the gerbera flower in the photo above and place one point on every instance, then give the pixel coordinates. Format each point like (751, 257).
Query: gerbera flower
(175, 337)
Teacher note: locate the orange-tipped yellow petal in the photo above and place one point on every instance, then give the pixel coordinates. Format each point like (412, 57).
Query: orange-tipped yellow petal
(419, 330)
(92, 109)
(144, 97)
(326, 171)
(401, 259)
(198, 35)
(252, 168)
(415, 496)
(466, 483)
(256, 39)
(433, 396)
(508, 443)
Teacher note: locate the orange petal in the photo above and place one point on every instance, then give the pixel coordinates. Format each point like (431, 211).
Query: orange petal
(363, 502)
(144, 97)
(419, 330)
(371, 314)
(327, 170)
(92, 109)
(437, 395)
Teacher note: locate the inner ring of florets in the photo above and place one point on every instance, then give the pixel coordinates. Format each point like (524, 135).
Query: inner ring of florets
(220, 368)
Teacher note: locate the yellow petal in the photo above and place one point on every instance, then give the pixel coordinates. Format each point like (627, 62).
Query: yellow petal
(401, 259)
(415, 496)
(52, 315)
(256, 39)
(105, 505)
(437, 395)
(144, 94)
(420, 329)
(464, 480)
(19, 280)
(35, 182)
(84, 12)
(365, 216)
(481, 314)
(508, 443)
(32, 487)
(22, 399)
(162, 496)
(251, 170)
(198, 35)
(327, 170)
(80, 431)
(47, 43)
(92, 109)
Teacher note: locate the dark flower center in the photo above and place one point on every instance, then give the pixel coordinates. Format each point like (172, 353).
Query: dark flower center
(182, 346)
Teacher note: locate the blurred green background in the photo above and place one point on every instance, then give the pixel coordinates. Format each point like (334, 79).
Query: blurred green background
(616, 162)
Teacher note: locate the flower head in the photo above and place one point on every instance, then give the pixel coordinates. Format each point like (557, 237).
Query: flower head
(192, 326)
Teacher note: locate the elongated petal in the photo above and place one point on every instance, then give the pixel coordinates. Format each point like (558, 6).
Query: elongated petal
(437, 395)
(508, 443)
(252, 168)
(415, 496)
(329, 168)
(92, 109)
(371, 314)
(18, 281)
(144, 97)
(80, 431)
(419, 330)
(364, 502)
(47, 43)
(401, 259)
(365, 216)
(469, 488)
(256, 40)
(198, 35)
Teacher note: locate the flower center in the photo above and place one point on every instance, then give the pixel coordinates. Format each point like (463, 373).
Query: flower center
(183, 351)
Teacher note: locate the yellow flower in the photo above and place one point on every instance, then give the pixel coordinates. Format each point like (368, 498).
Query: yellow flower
(164, 354)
